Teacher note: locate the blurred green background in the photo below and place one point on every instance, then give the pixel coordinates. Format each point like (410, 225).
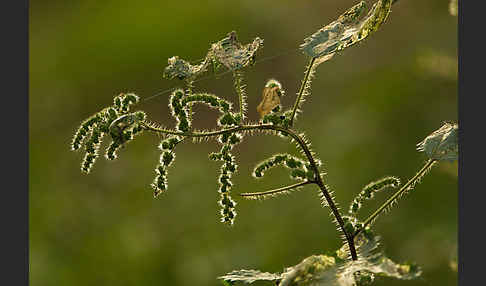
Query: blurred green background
(370, 105)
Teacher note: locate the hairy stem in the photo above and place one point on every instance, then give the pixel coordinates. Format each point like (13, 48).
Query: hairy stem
(302, 89)
(302, 144)
(189, 89)
(327, 195)
(240, 90)
(275, 191)
(403, 189)
(337, 215)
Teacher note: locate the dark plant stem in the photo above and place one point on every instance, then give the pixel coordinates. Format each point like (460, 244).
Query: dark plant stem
(327, 195)
(302, 144)
(337, 215)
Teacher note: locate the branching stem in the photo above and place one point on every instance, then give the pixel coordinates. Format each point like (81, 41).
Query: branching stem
(403, 189)
(302, 144)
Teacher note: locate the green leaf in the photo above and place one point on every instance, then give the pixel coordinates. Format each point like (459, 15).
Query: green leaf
(442, 144)
(228, 52)
(233, 54)
(182, 69)
(321, 269)
(346, 31)
(226, 283)
(372, 260)
(337, 269)
(249, 276)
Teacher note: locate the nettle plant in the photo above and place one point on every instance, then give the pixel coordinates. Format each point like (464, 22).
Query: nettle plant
(360, 259)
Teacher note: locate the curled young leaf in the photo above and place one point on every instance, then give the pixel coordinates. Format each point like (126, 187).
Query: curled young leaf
(270, 98)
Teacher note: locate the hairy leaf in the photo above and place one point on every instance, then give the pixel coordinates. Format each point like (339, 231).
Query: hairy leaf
(182, 69)
(228, 52)
(347, 30)
(233, 54)
(249, 276)
(335, 269)
(442, 144)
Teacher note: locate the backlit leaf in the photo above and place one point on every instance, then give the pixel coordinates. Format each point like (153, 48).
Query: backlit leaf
(346, 31)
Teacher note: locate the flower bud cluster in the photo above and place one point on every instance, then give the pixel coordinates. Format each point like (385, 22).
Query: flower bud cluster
(299, 169)
(276, 117)
(166, 159)
(179, 111)
(369, 190)
(114, 120)
(229, 167)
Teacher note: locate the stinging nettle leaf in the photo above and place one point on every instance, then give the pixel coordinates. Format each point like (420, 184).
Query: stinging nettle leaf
(182, 69)
(228, 52)
(346, 31)
(233, 54)
(336, 269)
(322, 267)
(442, 144)
(249, 276)
(372, 260)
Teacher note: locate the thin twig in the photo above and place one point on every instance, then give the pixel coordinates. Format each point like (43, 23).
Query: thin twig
(276, 191)
(301, 91)
(405, 187)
